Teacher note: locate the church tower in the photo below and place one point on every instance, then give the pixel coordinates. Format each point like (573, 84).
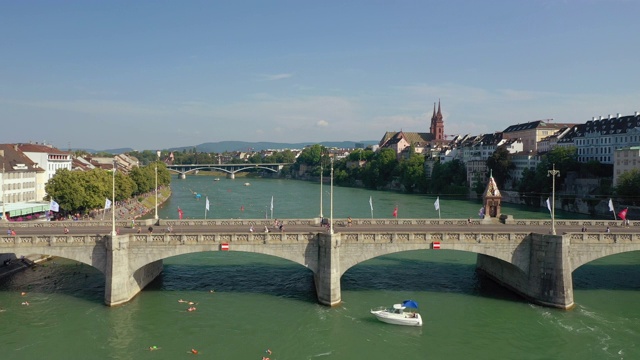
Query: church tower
(437, 125)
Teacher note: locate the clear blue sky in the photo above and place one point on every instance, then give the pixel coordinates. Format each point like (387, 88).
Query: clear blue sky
(164, 73)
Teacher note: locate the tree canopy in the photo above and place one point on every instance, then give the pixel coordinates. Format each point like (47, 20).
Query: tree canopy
(81, 191)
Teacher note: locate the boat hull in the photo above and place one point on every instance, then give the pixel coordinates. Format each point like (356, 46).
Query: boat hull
(406, 319)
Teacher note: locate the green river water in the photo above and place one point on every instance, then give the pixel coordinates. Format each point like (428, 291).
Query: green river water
(248, 303)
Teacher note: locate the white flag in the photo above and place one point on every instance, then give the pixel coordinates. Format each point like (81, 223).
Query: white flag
(107, 204)
(206, 204)
(370, 203)
(53, 206)
(271, 203)
(548, 205)
(611, 206)
(437, 203)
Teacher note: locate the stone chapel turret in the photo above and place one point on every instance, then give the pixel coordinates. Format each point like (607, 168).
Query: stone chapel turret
(491, 200)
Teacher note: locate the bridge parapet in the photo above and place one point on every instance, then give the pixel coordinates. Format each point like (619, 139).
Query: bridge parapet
(73, 224)
(48, 240)
(219, 238)
(604, 238)
(590, 224)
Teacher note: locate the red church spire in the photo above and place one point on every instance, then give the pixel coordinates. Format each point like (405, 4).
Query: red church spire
(437, 124)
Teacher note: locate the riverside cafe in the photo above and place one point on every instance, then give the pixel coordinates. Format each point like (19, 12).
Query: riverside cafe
(24, 211)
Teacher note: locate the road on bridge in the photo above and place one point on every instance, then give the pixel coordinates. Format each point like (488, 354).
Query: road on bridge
(209, 229)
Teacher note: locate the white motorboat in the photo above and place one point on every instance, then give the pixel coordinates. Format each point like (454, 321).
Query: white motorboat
(399, 314)
(247, 184)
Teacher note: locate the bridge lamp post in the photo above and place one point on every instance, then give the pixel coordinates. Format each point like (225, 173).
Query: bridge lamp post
(113, 203)
(321, 170)
(553, 173)
(331, 219)
(2, 186)
(158, 159)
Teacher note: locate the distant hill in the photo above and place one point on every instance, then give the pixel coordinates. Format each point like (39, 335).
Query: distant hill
(222, 146)
(110, 151)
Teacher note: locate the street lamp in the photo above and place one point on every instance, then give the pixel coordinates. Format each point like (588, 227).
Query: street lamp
(113, 196)
(331, 215)
(3, 213)
(157, 159)
(321, 170)
(553, 173)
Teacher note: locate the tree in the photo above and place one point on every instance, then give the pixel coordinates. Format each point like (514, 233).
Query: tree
(628, 185)
(479, 183)
(311, 155)
(449, 178)
(66, 189)
(500, 165)
(380, 170)
(412, 174)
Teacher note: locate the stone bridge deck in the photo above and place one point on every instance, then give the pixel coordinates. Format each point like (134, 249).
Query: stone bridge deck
(537, 266)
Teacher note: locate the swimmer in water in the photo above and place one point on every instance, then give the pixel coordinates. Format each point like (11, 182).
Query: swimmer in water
(152, 348)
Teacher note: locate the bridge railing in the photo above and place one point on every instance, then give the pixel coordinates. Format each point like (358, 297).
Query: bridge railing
(337, 222)
(51, 240)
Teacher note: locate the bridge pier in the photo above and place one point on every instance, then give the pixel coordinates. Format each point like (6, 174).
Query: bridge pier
(542, 272)
(327, 276)
(231, 176)
(121, 282)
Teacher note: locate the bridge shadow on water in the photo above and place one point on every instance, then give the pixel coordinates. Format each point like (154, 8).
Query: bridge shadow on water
(287, 281)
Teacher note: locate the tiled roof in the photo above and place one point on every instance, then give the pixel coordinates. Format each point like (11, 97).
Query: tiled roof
(13, 157)
(413, 138)
(41, 148)
(538, 124)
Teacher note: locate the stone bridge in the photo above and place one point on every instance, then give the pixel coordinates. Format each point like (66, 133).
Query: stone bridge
(539, 267)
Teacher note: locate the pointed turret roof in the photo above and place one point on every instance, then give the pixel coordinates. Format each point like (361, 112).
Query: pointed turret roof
(492, 189)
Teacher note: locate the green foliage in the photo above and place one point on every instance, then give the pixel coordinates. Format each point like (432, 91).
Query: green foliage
(67, 190)
(628, 185)
(448, 178)
(479, 184)
(361, 154)
(536, 184)
(501, 166)
(412, 174)
(311, 155)
(380, 170)
(81, 191)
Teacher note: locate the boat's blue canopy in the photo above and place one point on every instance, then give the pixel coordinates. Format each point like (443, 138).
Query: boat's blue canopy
(410, 304)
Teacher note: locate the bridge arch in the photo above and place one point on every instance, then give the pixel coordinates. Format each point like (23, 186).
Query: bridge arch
(586, 248)
(512, 249)
(69, 247)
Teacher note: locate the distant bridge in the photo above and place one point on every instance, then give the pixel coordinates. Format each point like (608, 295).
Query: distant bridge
(230, 169)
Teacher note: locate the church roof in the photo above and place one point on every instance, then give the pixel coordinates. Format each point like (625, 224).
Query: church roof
(410, 137)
